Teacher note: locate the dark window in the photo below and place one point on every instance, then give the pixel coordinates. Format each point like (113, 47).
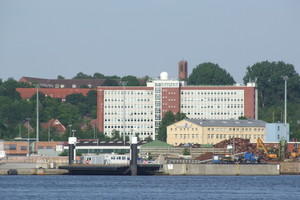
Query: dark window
(48, 147)
(23, 147)
(10, 147)
(40, 147)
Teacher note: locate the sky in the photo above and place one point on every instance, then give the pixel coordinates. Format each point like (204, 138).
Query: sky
(44, 39)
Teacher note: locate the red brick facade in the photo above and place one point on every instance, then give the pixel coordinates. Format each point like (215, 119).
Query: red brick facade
(170, 100)
(182, 70)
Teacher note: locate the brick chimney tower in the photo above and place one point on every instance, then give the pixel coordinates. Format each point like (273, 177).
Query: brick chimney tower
(182, 70)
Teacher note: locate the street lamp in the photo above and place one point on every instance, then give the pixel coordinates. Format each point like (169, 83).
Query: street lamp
(70, 126)
(285, 78)
(73, 131)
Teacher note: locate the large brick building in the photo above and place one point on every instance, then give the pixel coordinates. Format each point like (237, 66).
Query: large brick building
(132, 110)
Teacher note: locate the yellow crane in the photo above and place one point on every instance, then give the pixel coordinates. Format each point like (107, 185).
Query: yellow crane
(261, 144)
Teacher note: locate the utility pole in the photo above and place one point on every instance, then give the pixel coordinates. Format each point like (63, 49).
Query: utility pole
(285, 78)
(37, 113)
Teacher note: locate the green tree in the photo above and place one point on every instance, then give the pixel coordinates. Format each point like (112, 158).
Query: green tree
(210, 74)
(180, 116)
(186, 152)
(116, 135)
(98, 76)
(112, 77)
(131, 80)
(270, 85)
(269, 79)
(8, 89)
(92, 103)
(60, 77)
(167, 120)
(148, 139)
(81, 75)
(110, 82)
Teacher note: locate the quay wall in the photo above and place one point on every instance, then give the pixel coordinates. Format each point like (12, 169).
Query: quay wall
(290, 168)
(220, 169)
(41, 171)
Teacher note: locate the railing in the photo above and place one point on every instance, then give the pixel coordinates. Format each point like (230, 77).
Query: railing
(179, 150)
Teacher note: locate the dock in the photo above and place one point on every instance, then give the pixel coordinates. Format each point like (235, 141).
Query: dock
(142, 169)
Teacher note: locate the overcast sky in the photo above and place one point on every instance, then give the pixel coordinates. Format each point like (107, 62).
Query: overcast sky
(48, 38)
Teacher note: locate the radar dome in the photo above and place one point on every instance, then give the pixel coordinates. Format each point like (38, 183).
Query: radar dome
(164, 76)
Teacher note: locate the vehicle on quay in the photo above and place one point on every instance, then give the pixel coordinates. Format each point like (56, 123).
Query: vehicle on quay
(245, 158)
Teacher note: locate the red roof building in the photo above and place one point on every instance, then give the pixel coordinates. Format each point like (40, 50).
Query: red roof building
(60, 93)
(56, 124)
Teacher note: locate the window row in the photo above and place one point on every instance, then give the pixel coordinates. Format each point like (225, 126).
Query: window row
(127, 99)
(205, 114)
(128, 120)
(225, 136)
(186, 136)
(209, 100)
(121, 113)
(120, 127)
(130, 133)
(211, 92)
(213, 106)
(235, 129)
(128, 92)
(133, 106)
(183, 129)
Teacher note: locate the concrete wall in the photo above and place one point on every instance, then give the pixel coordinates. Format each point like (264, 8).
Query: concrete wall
(290, 168)
(220, 169)
(34, 171)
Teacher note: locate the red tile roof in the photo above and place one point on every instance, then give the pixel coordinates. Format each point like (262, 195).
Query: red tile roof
(55, 123)
(60, 93)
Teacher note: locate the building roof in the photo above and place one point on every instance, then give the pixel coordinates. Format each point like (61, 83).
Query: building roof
(60, 93)
(67, 83)
(156, 143)
(55, 123)
(227, 123)
(105, 143)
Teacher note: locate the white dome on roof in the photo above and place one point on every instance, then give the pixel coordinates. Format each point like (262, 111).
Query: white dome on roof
(164, 76)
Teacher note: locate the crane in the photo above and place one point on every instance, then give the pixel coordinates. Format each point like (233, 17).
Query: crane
(261, 144)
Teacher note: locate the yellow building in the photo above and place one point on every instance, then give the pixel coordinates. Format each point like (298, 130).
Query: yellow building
(200, 131)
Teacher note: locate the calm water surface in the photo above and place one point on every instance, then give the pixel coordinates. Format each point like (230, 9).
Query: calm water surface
(149, 187)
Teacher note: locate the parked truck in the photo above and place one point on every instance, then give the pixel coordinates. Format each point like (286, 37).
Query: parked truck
(246, 158)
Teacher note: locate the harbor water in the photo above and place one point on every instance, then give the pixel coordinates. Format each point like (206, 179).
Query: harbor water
(149, 187)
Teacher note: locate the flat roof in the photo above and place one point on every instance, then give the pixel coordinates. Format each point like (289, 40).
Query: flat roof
(228, 123)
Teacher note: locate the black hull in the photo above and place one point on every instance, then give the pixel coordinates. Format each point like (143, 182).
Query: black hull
(149, 169)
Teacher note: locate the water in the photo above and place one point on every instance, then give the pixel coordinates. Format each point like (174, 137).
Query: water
(149, 187)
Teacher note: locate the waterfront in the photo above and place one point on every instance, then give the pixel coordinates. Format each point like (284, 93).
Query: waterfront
(149, 187)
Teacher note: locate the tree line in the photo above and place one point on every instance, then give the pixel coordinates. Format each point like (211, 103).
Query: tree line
(78, 110)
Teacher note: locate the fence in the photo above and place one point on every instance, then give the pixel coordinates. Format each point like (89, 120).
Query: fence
(194, 152)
